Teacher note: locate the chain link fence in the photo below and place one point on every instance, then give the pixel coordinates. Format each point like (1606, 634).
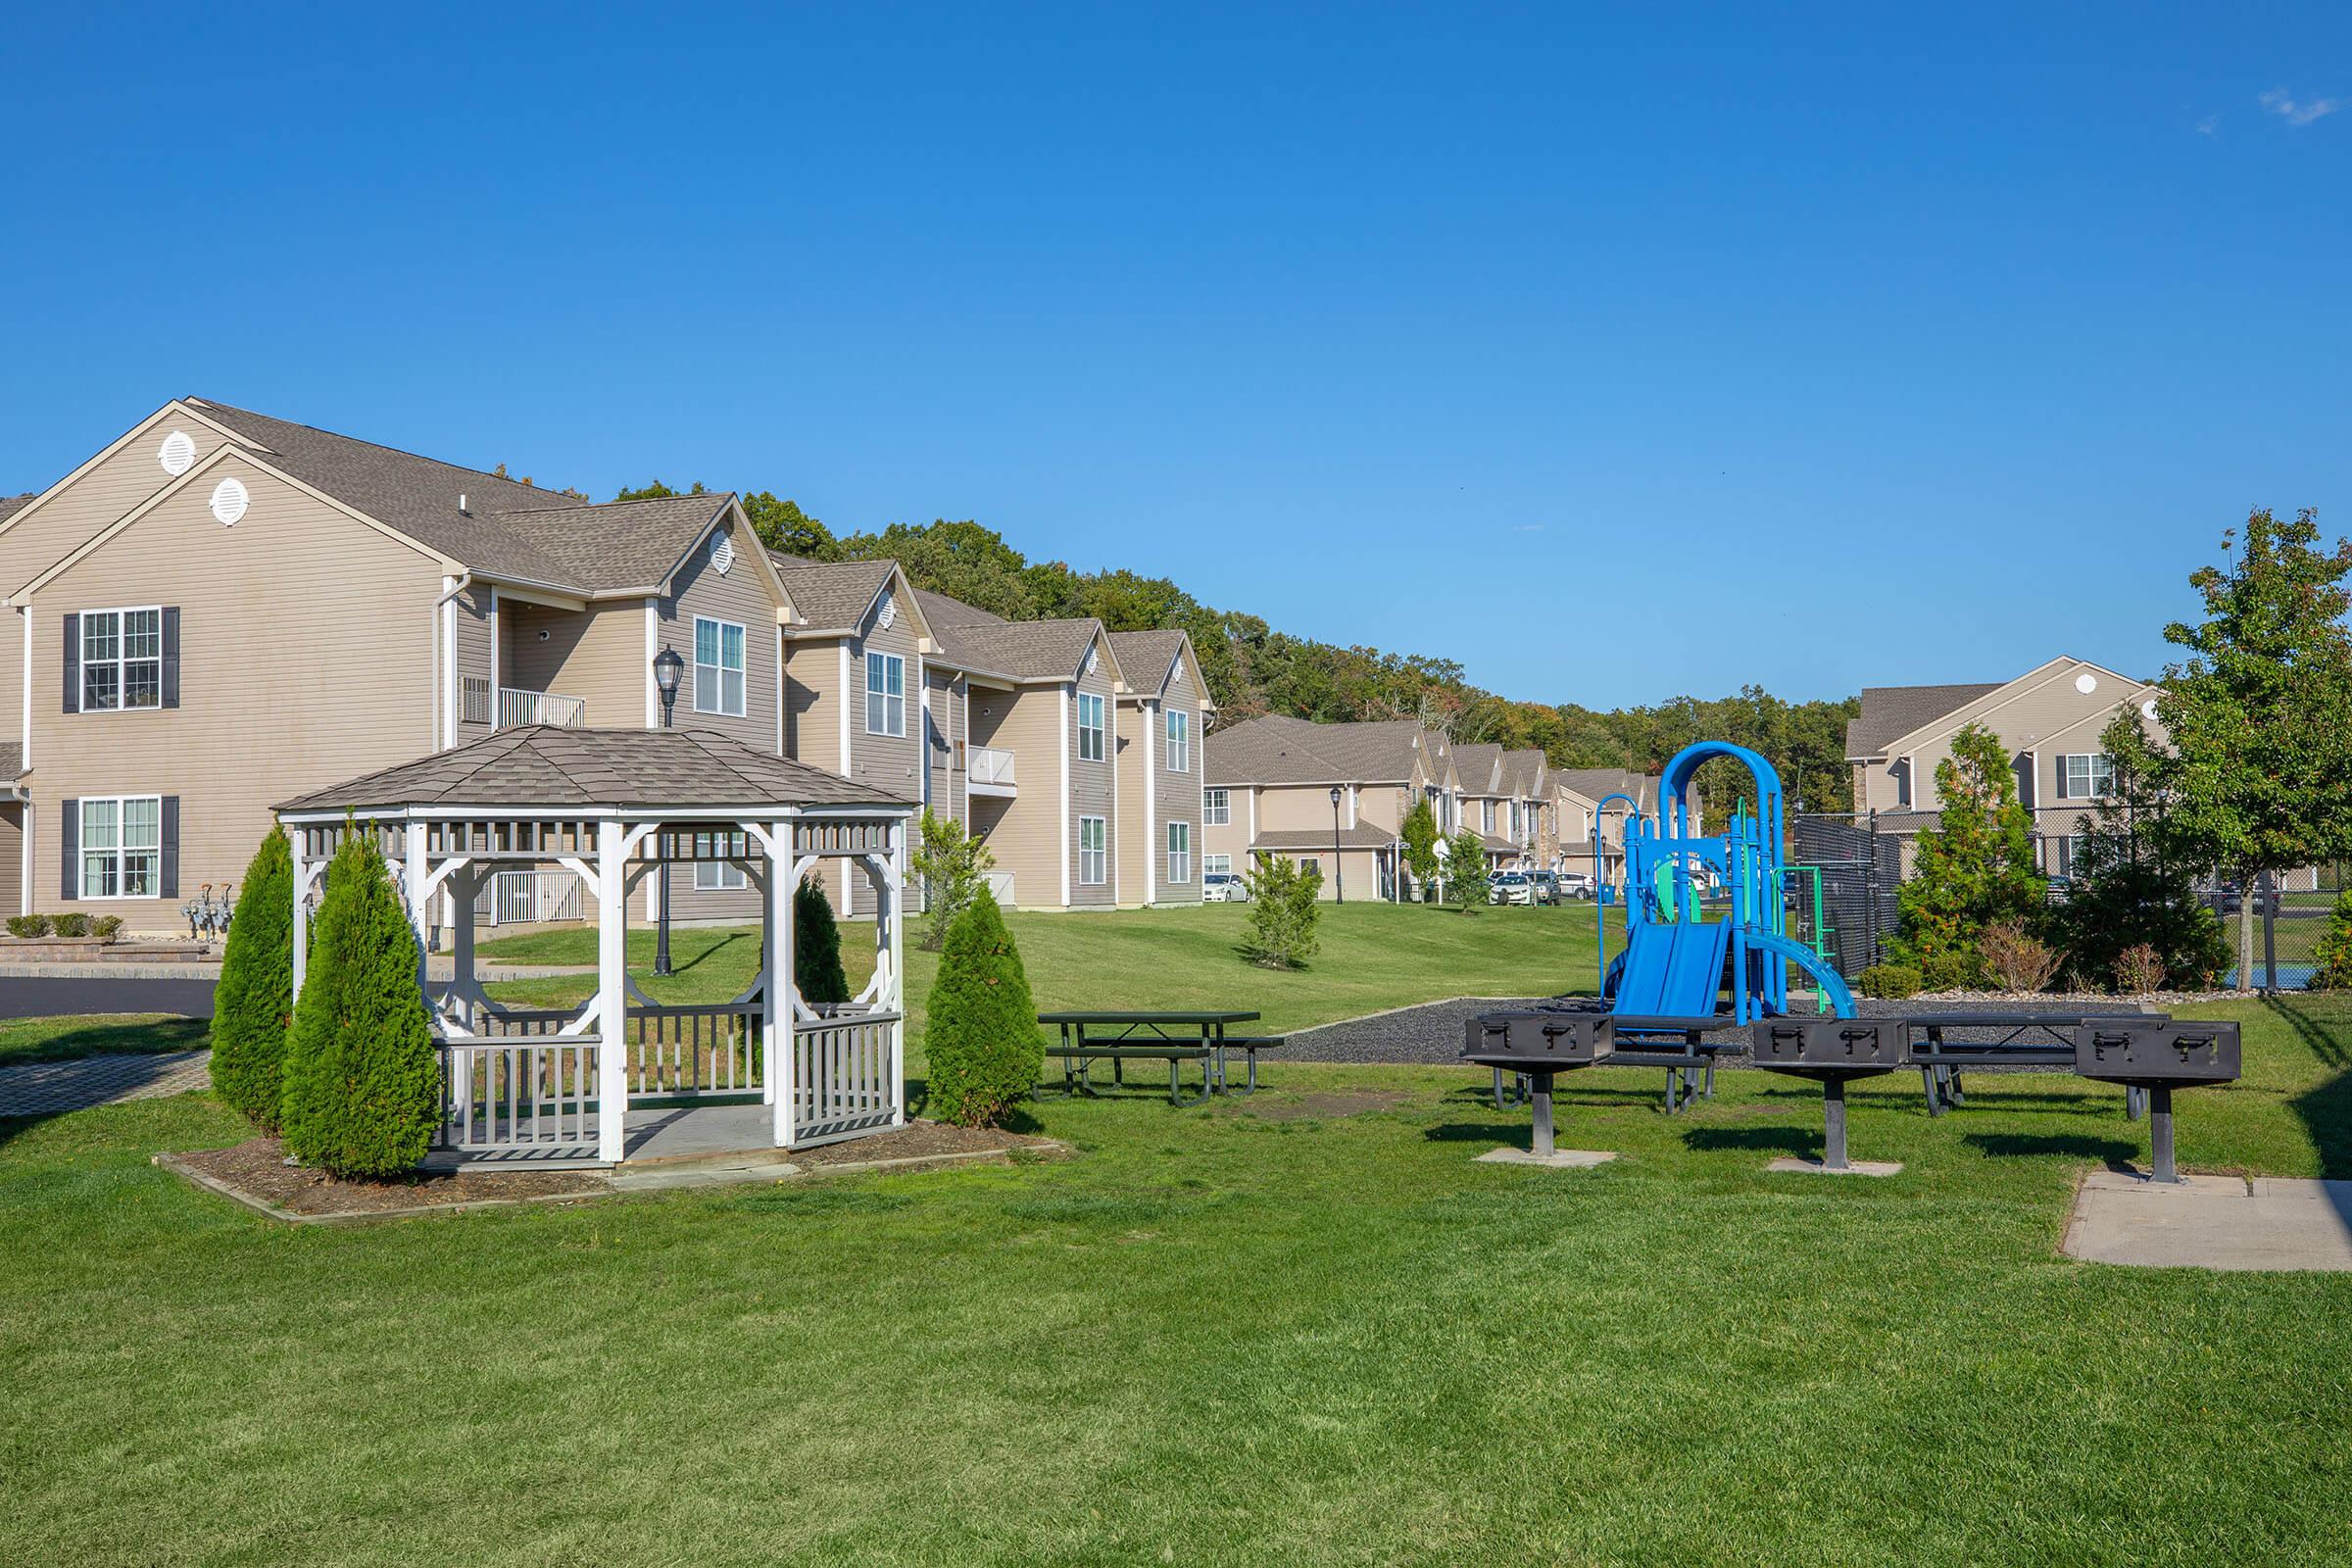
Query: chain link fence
(1843, 877)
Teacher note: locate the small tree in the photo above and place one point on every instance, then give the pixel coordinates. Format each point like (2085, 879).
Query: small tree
(2257, 768)
(1422, 862)
(953, 866)
(1282, 911)
(1975, 866)
(1466, 870)
(817, 946)
(253, 1002)
(2130, 889)
(363, 1082)
(2331, 959)
(982, 1044)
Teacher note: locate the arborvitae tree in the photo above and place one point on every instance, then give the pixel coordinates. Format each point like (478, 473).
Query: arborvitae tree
(1466, 869)
(817, 946)
(362, 1082)
(1975, 866)
(1422, 862)
(953, 867)
(1282, 911)
(253, 1002)
(982, 1044)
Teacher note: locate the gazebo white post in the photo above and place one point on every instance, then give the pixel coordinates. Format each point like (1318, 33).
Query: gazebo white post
(612, 996)
(419, 907)
(779, 857)
(460, 947)
(893, 995)
(783, 996)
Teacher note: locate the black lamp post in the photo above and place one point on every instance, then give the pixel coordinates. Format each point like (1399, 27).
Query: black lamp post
(1338, 875)
(668, 667)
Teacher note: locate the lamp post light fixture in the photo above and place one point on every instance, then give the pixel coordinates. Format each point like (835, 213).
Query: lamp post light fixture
(668, 667)
(1338, 875)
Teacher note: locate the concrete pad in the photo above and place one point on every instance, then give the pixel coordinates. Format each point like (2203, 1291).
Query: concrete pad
(2217, 1222)
(1558, 1160)
(670, 1178)
(1854, 1167)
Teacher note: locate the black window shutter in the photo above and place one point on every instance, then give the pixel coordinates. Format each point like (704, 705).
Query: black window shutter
(68, 840)
(73, 664)
(170, 658)
(170, 879)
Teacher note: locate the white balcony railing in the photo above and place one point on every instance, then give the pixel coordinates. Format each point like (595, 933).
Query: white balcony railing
(1000, 888)
(989, 769)
(540, 708)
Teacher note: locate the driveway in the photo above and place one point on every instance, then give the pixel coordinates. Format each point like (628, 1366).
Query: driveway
(52, 996)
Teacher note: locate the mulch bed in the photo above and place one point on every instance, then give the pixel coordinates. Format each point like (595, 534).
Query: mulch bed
(258, 1168)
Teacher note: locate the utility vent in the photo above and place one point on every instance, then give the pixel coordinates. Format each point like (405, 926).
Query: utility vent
(2148, 707)
(1178, 673)
(1093, 657)
(229, 502)
(887, 614)
(2086, 683)
(722, 550)
(178, 454)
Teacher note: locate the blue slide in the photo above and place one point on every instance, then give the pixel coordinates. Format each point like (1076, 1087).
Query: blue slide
(1671, 971)
(1831, 983)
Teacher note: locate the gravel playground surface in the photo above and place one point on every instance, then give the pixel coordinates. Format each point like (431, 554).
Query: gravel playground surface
(1431, 1034)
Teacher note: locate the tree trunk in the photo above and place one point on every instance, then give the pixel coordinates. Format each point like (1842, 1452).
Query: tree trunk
(2248, 894)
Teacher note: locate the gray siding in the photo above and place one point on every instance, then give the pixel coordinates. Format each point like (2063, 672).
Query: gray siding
(1093, 794)
(741, 596)
(1177, 796)
(473, 659)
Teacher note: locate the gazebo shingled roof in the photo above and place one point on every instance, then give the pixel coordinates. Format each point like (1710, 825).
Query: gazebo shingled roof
(541, 765)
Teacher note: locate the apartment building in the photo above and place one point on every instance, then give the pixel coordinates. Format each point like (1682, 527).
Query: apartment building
(1507, 799)
(1330, 796)
(219, 610)
(1578, 794)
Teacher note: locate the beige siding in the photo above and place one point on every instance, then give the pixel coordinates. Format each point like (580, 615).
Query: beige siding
(12, 675)
(741, 597)
(943, 778)
(305, 654)
(42, 536)
(597, 655)
(12, 858)
(894, 762)
(1024, 833)
(812, 696)
(1230, 838)
(1133, 845)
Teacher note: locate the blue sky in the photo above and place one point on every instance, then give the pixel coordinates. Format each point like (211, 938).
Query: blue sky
(1614, 355)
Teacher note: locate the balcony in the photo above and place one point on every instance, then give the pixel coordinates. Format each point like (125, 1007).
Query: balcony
(989, 771)
(540, 708)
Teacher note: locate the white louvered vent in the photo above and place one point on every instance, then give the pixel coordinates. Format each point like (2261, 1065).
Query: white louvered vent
(2086, 683)
(178, 454)
(2148, 707)
(229, 502)
(1178, 673)
(722, 550)
(1092, 659)
(887, 614)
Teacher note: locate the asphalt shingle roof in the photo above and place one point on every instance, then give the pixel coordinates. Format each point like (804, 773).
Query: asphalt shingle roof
(12, 759)
(1521, 769)
(1362, 836)
(1147, 657)
(542, 765)
(507, 529)
(832, 595)
(1476, 763)
(1597, 783)
(1277, 748)
(1022, 649)
(1890, 712)
(941, 610)
(10, 506)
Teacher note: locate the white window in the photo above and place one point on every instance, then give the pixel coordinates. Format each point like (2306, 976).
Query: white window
(1487, 815)
(1180, 852)
(2084, 778)
(1090, 727)
(121, 847)
(885, 694)
(1217, 808)
(121, 660)
(1094, 865)
(717, 666)
(1216, 865)
(1180, 742)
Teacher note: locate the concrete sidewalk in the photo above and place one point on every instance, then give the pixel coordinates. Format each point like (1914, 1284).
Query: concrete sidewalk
(2261, 1223)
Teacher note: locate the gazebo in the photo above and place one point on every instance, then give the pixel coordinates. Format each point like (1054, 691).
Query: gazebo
(556, 1085)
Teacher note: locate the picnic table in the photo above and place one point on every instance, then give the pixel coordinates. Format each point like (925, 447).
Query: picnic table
(2019, 1040)
(1089, 1036)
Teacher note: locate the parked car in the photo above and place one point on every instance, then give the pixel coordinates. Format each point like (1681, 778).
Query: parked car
(1576, 885)
(1223, 887)
(2228, 896)
(1546, 885)
(1510, 887)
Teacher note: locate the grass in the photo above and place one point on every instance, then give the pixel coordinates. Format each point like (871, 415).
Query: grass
(24, 1040)
(1374, 957)
(1214, 1337)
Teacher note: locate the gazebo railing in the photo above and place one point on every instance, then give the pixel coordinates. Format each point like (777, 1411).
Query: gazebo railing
(681, 1052)
(843, 1075)
(534, 1092)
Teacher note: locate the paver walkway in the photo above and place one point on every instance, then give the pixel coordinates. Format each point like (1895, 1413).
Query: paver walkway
(52, 1088)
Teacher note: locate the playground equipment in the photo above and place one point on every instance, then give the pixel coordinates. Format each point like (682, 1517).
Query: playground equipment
(1677, 960)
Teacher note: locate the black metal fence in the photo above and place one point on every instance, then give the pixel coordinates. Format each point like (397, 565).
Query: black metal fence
(1857, 870)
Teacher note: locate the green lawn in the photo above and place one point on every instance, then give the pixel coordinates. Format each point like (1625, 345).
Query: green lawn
(1374, 955)
(1217, 1336)
(24, 1040)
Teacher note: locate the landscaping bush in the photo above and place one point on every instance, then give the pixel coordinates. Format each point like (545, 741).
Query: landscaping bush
(983, 1045)
(1421, 862)
(1282, 911)
(1973, 868)
(28, 925)
(106, 927)
(253, 1002)
(2331, 959)
(1466, 871)
(362, 1084)
(74, 924)
(817, 946)
(1889, 982)
(953, 867)
(2018, 959)
(2138, 970)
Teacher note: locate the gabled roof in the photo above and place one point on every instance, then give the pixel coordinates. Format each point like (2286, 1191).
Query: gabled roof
(941, 610)
(1307, 840)
(1600, 783)
(833, 595)
(1476, 762)
(1149, 658)
(1023, 650)
(1277, 748)
(1890, 712)
(541, 765)
(10, 506)
(1523, 771)
(506, 529)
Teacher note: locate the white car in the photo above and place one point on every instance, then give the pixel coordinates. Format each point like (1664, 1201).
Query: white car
(1576, 884)
(1223, 887)
(1511, 887)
